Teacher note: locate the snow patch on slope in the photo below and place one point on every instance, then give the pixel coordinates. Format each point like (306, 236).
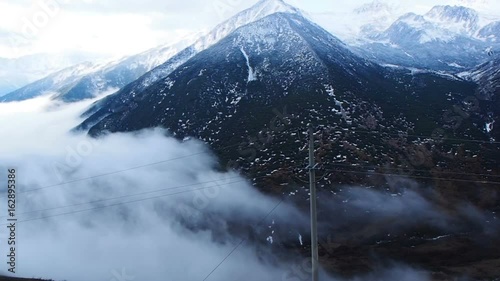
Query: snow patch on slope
(489, 126)
(251, 72)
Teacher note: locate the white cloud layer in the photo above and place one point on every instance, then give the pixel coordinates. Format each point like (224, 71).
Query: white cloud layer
(147, 238)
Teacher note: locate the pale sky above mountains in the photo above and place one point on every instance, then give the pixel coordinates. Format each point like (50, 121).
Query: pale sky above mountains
(123, 27)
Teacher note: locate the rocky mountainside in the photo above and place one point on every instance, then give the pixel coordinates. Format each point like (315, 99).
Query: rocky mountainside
(487, 76)
(490, 33)
(278, 52)
(285, 60)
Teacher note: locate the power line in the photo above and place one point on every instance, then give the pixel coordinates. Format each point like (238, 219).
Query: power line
(144, 193)
(415, 177)
(162, 196)
(206, 152)
(107, 174)
(112, 205)
(132, 195)
(129, 169)
(423, 171)
(242, 241)
(216, 181)
(427, 137)
(113, 173)
(138, 194)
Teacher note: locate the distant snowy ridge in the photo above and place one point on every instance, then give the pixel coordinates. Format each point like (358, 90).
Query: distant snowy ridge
(87, 80)
(446, 38)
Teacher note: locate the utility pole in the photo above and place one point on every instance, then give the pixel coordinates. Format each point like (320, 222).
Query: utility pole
(314, 218)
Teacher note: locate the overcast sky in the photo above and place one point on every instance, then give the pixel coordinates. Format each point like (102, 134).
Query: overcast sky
(121, 27)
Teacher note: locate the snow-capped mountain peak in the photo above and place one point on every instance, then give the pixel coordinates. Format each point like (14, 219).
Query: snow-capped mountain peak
(455, 18)
(375, 7)
(268, 7)
(453, 13)
(257, 12)
(441, 23)
(266, 60)
(412, 18)
(260, 10)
